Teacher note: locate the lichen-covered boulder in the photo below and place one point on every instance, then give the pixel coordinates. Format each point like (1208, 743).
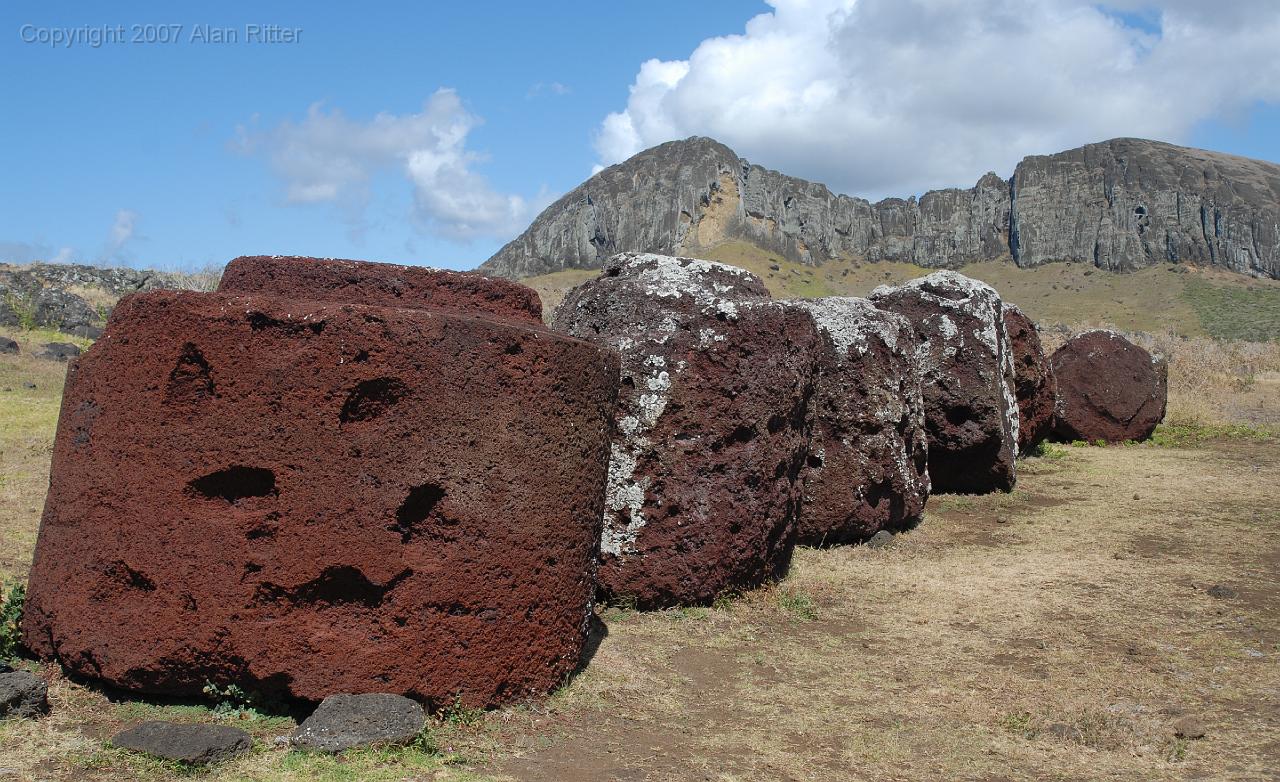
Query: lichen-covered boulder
(1033, 385)
(966, 364)
(304, 498)
(1108, 389)
(381, 284)
(867, 468)
(712, 425)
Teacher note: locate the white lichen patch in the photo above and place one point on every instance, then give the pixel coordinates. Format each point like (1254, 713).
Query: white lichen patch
(849, 321)
(623, 499)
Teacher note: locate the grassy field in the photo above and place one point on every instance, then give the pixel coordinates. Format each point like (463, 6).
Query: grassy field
(1188, 301)
(1059, 632)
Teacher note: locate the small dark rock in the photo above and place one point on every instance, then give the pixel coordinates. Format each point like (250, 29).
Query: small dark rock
(8, 345)
(30, 386)
(1189, 728)
(85, 330)
(191, 744)
(343, 722)
(882, 539)
(1062, 730)
(774, 267)
(59, 351)
(23, 694)
(1221, 592)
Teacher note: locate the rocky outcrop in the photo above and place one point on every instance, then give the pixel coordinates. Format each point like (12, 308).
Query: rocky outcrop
(1128, 203)
(712, 425)
(305, 498)
(59, 296)
(383, 284)
(1034, 385)
(1121, 205)
(684, 196)
(867, 465)
(1108, 389)
(967, 377)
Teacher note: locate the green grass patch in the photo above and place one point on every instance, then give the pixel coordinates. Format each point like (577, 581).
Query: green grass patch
(797, 604)
(1185, 434)
(1248, 313)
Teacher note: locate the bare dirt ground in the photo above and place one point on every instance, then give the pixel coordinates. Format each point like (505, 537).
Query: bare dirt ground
(1060, 632)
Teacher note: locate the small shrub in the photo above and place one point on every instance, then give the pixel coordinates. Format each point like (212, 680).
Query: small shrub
(798, 604)
(1020, 724)
(460, 716)
(15, 595)
(234, 701)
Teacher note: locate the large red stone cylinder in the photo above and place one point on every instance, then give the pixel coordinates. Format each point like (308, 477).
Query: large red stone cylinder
(309, 498)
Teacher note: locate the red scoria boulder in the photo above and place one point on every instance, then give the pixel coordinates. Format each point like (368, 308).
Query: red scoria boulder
(381, 284)
(867, 468)
(966, 364)
(1033, 385)
(1108, 389)
(712, 425)
(305, 498)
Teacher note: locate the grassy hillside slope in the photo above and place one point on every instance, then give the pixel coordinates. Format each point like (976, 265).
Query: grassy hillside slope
(1186, 300)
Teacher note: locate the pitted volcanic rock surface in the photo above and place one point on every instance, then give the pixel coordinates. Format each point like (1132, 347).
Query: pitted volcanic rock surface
(712, 429)
(380, 284)
(971, 415)
(306, 498)
(867, 468)
(1108, 389)
(1034, 385)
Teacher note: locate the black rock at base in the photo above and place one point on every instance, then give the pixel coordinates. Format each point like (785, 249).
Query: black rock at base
(23, 694)
(192, 744)
(343, 722)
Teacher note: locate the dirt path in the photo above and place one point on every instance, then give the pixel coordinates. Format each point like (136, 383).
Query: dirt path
(1057, 633)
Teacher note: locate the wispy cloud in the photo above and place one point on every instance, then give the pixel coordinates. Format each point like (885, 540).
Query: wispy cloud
(552, 88)
(329, 158)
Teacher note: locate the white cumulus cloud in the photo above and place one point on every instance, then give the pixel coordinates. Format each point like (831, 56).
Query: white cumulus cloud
(893, 97)
(329, 158)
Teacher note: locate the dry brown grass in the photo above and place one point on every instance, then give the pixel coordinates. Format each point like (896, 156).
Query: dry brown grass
(1056, 633)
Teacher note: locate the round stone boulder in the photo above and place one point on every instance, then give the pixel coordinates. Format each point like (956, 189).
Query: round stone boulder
(867, 468)
(712, 428)
(1033, 385)
(967, 376)
(380, 284)
(1108, 389)
(304, 498)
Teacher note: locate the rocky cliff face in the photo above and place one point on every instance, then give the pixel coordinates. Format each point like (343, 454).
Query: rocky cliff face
(1128, 203)
(1121, 204)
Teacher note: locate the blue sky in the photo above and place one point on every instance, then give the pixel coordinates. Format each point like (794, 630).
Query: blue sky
(189, 153)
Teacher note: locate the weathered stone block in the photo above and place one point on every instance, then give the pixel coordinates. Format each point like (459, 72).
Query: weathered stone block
(306, 498)
(712, 425)
(867, 468)
(1034, 386)
(966, 364)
